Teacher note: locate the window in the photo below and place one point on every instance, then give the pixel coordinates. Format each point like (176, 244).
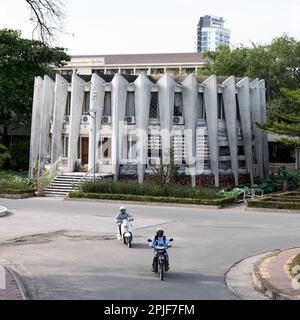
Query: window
(130, 105)
(107, 104)
(178, 105)
(201, 109)
(154, 106)
(238, 115)
(221, 113)
(105, 148)
(68, 106)
(86, 102)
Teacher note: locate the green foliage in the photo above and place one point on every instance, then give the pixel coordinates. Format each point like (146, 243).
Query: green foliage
(4, 156)
(21, 60)
(166, 174)
(277, 63)
(20, 155)
(295, 263)
(150, 189)
(146, 198)
(43, 181)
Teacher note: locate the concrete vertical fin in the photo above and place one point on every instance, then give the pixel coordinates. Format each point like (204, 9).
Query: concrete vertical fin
(256, 117)
(190, 114)
(119, 94)
(47, 109)
(211, 109)
(35, 123)
(60, 102)
(96, 101)
(166, 97)
(245, 114)
(77, 96)
(230, 116)
(263, 105)
(142, 107)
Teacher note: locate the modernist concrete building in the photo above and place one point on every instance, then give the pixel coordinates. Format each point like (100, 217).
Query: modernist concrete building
(151, 64)
(209, 122)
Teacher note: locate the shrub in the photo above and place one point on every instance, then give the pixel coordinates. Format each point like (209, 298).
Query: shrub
(128, 197)
(274, 205)
(4, 156)
(150, 189)
(20, 155)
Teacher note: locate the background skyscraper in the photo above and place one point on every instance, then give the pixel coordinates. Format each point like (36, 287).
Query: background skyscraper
(211, 33)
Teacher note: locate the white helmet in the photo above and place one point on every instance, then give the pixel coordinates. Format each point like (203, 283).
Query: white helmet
(122, 209)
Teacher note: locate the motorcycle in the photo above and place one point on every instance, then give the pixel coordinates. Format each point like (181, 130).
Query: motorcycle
(160, 252)
(126, 232)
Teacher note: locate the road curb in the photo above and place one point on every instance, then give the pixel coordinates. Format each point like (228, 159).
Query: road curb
(271, 210)
(20, 285)
(264, 286)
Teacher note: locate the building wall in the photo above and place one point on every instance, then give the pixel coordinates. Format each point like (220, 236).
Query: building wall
(208, 122)
(211, 33)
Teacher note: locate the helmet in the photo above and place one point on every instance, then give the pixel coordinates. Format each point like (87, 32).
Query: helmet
(159, 232)
(122, 209)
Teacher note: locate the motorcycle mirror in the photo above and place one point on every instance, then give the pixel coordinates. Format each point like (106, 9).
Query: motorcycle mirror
(149, 240)
(171, 240)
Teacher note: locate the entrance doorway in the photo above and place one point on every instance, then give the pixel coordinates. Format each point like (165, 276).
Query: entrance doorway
(84, 154)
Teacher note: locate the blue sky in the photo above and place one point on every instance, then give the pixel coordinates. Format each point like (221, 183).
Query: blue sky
(142, 26)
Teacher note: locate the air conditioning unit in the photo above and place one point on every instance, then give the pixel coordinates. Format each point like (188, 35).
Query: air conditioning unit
(178, 120)
(85, 119)
(130, 120)
(106, 120)
(67, 120)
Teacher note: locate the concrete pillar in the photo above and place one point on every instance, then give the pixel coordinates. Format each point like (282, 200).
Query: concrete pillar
(35, 123)
(142, 105)
(77, 97)
(256, 117)
(166, 96)
(47, 109)
(245, 113)
(211, 109)
(263, 105)
(96, 101)
(230, 116)
(60, 102)
(190, 114)
(119, 94)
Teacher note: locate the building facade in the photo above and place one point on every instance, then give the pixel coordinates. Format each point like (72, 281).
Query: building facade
(211, 33)
(208, 122)
(151, 64)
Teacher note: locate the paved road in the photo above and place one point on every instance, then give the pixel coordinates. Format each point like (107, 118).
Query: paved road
(68, 250)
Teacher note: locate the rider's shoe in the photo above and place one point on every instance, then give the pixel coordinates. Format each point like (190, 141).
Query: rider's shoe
(154, 270)
(119, 237)
(167, 268)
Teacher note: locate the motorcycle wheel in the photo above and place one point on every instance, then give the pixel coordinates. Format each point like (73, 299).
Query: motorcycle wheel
(161, 271)
(129, 242)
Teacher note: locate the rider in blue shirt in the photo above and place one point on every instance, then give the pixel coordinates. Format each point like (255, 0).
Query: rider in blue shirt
(159, 240)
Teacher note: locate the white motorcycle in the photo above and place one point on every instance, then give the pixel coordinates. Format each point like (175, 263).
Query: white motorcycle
(126, 232)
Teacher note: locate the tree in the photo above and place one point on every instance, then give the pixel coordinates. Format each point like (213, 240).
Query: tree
(48, 16)
(166, 174)
(21, 60)
(278, 63)
(286, 123)
(4, 155)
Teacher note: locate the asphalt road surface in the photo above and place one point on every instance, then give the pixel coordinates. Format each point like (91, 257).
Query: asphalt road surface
(68, 250)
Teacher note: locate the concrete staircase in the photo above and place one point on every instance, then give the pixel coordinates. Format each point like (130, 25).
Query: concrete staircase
(62, 185)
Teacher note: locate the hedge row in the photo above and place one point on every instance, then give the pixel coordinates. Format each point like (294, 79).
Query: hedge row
(16, 191)
(127, 197)
(274, 205)
(148, 189)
